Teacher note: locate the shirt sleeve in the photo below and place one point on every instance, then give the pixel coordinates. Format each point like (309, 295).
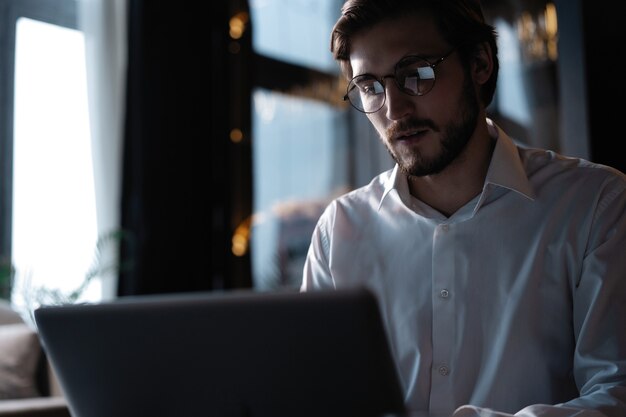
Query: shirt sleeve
(599, 310)
(316, 273)
(539, 410)
(599, 321)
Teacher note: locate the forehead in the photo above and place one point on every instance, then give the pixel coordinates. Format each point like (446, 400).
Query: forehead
(376, 50)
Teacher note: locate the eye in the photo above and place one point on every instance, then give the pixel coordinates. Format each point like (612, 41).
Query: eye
(415, 77)
(425, 73)
(369, 86)
(416, 72)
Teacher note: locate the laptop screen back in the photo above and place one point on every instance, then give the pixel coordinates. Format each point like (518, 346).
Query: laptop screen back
(240, 353)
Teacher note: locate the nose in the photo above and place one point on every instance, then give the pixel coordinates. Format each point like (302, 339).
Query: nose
(398, 104)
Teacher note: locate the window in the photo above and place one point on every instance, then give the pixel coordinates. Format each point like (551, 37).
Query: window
(299, 143)
(303, 136)
(49, 215)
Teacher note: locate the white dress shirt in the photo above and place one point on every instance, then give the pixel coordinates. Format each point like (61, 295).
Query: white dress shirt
(516, 303)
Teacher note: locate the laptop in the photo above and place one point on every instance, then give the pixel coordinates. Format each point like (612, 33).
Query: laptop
(238, 353)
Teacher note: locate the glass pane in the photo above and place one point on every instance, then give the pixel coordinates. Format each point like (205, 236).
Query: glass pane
(511, 96)
(296, 31)
(299, 162)
(305, 152)
(54, 214)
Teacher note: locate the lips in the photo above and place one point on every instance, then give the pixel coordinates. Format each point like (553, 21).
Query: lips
(412, 134)
(411, 129)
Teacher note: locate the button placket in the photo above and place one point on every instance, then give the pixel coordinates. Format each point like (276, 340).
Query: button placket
(443, 334)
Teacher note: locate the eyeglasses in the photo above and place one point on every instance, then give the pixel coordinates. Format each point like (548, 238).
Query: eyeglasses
(413, 75)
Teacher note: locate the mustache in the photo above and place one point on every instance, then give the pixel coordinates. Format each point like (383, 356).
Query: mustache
(409, 124)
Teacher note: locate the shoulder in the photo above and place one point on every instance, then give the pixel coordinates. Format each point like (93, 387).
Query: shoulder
(367, 197)
(359, 204)
(548, 167)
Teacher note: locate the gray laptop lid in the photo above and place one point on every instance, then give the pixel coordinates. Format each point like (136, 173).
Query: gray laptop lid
(238, 353)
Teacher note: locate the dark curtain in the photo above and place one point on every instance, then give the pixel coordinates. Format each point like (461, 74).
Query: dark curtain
(603, 32)
(186, 185)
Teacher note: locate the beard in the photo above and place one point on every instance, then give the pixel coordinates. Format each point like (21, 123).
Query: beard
(455, 137)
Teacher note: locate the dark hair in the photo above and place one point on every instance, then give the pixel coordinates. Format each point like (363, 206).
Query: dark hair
(461, 23)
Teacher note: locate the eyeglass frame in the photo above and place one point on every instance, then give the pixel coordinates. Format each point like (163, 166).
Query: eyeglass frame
(381, 80)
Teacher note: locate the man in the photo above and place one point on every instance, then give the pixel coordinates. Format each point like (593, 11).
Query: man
(500, 270)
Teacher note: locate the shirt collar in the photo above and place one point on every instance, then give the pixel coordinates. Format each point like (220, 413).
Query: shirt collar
(396, 180)
(506, 169)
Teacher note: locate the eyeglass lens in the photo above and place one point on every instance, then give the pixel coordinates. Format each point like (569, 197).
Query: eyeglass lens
(413, 76)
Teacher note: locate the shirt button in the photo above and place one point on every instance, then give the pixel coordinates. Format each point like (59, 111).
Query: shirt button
(444, 227)
(443, 370)
(444, 293)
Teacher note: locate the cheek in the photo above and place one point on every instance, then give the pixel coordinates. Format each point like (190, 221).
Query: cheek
(378, 122)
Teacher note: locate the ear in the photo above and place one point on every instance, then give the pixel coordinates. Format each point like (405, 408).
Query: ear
(482, 63)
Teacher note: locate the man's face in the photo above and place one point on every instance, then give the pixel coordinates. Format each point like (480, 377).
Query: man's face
(423, 134)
